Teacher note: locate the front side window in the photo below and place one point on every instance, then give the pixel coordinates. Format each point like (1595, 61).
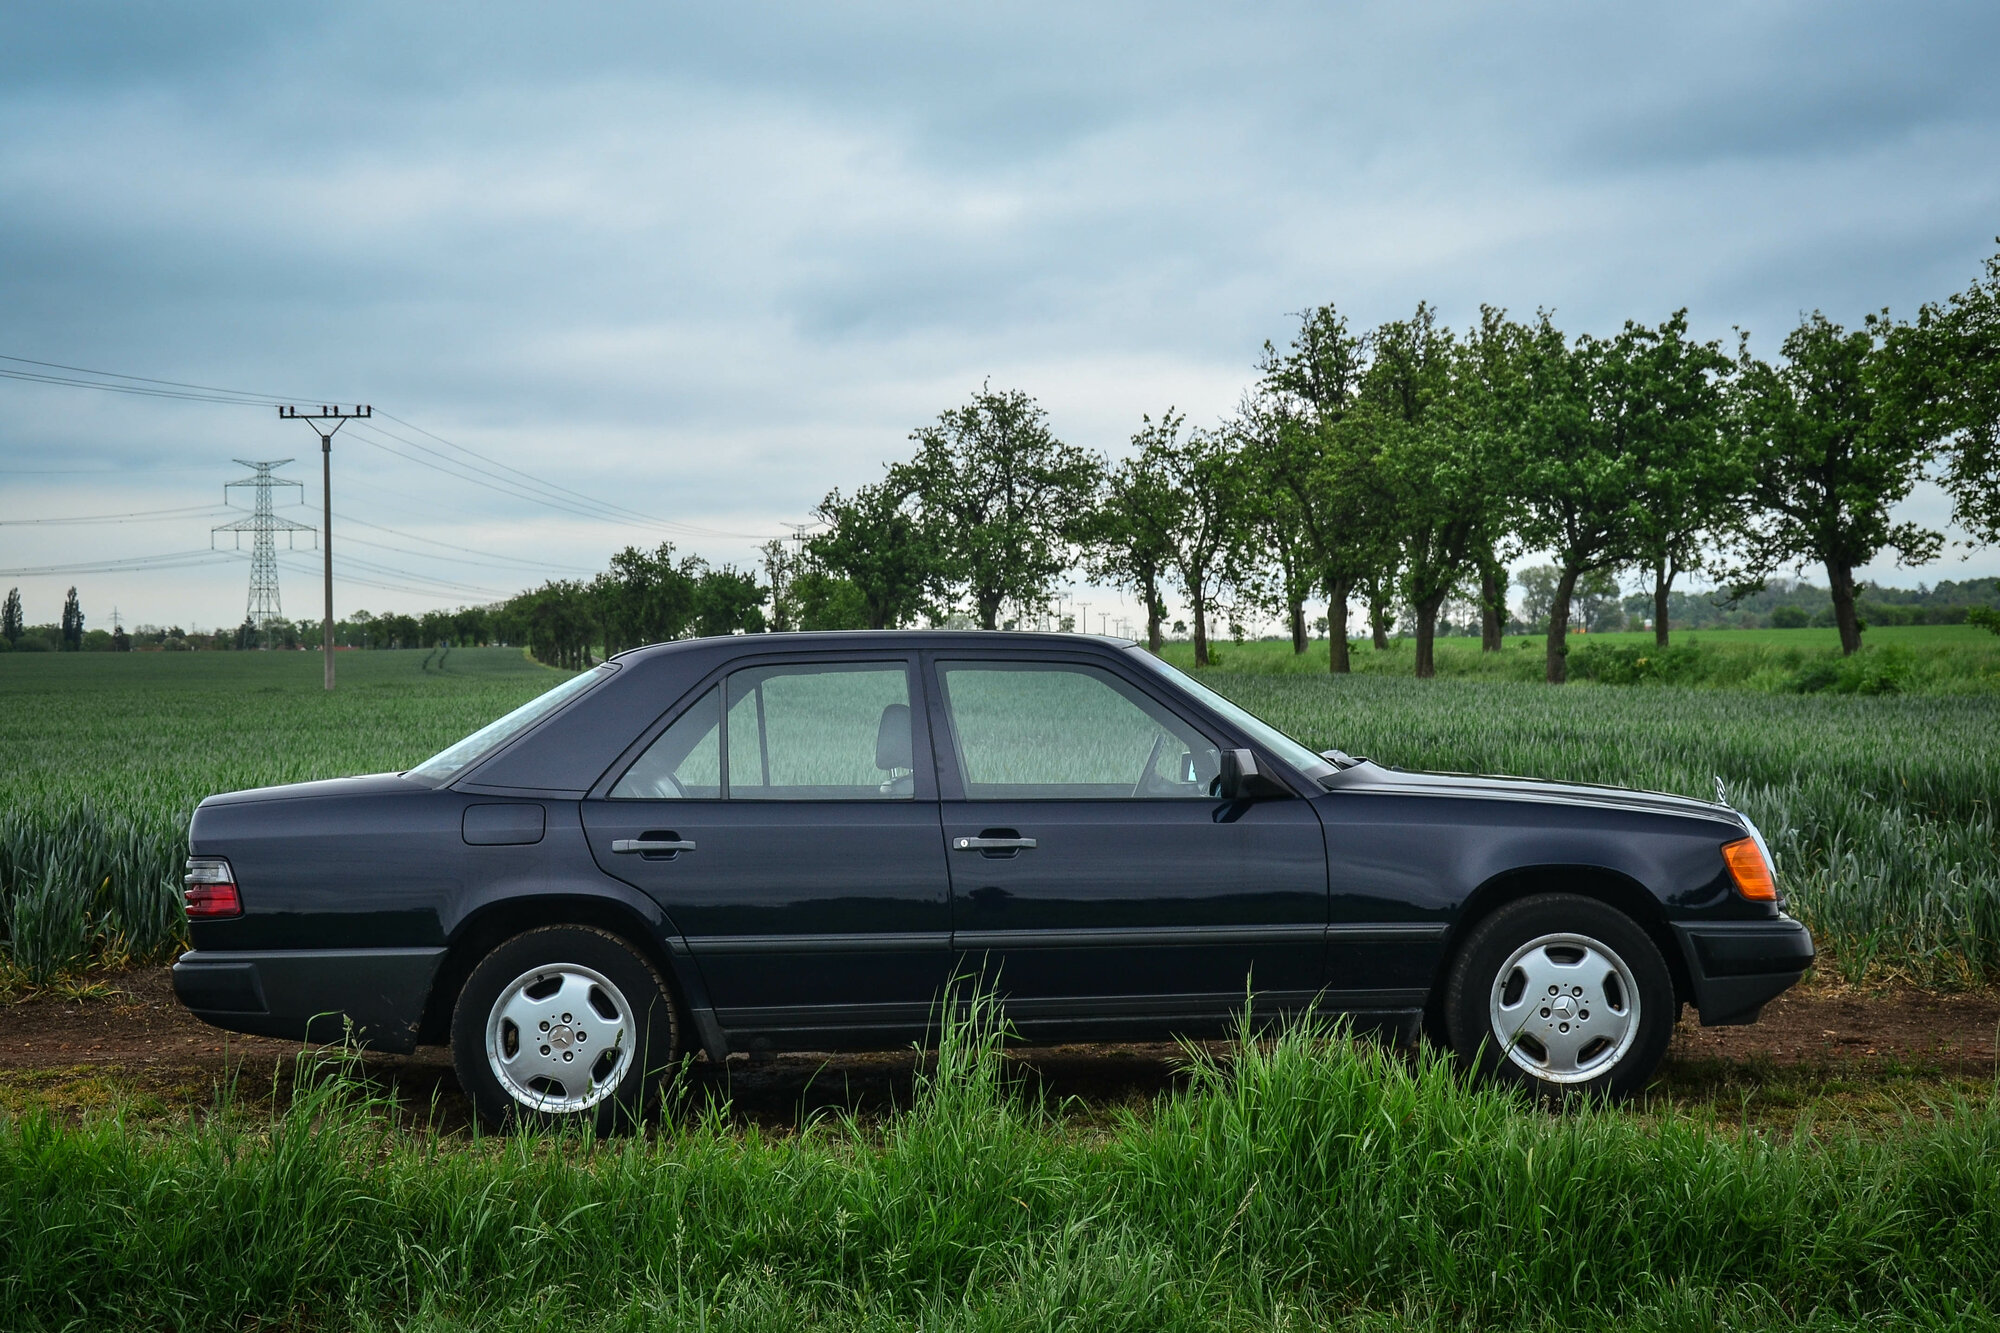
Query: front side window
(1040, 730)
(821, 731)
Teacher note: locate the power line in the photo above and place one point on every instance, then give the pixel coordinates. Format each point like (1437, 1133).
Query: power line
(516, 483)
(259, 398)
(137, 515)
(610, 508)
(168, 560)
(525, 490)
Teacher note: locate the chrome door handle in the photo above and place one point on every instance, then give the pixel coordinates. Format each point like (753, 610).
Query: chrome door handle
(991, 844)
(644, 845)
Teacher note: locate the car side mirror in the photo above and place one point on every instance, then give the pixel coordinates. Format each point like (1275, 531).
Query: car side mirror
(1241, 780)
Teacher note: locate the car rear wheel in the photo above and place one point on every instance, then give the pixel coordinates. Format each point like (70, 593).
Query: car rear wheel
(1561, 995)
(564, 1025)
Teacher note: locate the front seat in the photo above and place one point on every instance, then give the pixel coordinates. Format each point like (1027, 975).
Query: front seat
(894, 754)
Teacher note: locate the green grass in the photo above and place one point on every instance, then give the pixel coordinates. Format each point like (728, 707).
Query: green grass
(1896, 659)
(1299, 1184)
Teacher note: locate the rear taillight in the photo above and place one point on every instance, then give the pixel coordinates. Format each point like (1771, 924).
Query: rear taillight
(210, 888)
(1751, 870)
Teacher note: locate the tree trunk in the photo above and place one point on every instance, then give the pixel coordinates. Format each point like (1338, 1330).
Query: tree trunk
(1427, 624)
(1663, 583)
(1337, 660)
(1200, 625)
(1492, 601)
(1558, 667)
(1152, 595)
(1378, 619)
(1840, 582)
(1298, 613)
(989, 612)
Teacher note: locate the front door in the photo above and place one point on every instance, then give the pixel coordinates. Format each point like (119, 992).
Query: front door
(788, 824)
(1096, 882)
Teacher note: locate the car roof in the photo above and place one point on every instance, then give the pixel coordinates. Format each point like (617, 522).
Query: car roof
(874, 638)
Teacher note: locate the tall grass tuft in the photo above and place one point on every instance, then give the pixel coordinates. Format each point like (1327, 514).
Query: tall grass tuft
(1299, 1181)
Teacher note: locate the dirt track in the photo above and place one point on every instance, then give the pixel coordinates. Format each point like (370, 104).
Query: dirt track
(137, 1043)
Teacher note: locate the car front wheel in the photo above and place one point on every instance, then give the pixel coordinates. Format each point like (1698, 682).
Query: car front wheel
(564, 1025)
(1561, 995)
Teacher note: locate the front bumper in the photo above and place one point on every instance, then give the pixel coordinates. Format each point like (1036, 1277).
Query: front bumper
(319, 995)
(1737, 967)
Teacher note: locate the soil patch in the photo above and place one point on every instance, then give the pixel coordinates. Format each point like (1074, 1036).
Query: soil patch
(135, 1046)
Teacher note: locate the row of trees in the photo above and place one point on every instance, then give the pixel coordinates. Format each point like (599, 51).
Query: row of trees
(1406, 465)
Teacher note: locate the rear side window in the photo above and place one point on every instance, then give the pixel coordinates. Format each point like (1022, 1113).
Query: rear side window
(685, 763)
(820, 731)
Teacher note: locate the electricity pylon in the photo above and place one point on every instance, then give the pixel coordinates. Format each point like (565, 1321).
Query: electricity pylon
(263, 526)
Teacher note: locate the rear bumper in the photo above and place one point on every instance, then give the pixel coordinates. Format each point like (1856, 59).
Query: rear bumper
(1739, 966)
(311, 994)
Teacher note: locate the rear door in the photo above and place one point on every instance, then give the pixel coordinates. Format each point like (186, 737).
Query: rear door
(787, 822)
(1095, 881)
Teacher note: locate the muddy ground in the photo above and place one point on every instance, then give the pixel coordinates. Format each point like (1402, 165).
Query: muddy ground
(1872, 1053)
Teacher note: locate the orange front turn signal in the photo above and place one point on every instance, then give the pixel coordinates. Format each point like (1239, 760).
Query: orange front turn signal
(1750, 870)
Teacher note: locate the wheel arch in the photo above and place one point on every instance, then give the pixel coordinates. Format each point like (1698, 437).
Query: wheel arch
(495, 922)
(1614, 888)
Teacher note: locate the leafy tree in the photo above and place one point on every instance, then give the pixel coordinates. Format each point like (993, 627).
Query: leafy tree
(1207, 474)
(11, 623)
(880, 546)
(559, 620)
(644, 597)
(1838, 434)
(1326, 464)
(1961, 343)
(1691, 468)
(781, 566)
(728, 600)
(1276, 516)
(1593, 597)
(1586, 436)
(822, 601)
(1436, 459)
(473, 625)
(1003, 498)
(1131, 534)
(72, 623)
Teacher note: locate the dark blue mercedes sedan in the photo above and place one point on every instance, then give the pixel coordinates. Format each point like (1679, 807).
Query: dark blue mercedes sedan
(800, 840)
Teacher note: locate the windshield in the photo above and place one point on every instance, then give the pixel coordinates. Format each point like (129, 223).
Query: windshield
(446, 764)
(1299, 756)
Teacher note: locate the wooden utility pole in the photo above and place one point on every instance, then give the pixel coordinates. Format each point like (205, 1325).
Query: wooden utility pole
(339, 417)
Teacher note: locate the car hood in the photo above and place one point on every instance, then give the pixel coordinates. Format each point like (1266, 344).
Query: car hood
(1371, 777)
(370, 784)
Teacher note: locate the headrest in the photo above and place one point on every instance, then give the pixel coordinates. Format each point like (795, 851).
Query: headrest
(892, 739)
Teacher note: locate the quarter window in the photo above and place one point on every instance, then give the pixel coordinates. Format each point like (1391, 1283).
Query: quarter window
(822, 731)
(1050, 730)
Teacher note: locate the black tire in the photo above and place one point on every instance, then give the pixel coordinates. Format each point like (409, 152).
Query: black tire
(1562, 996)
(577, 991)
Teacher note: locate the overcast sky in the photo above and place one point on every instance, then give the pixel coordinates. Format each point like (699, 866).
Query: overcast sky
(704, 265)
